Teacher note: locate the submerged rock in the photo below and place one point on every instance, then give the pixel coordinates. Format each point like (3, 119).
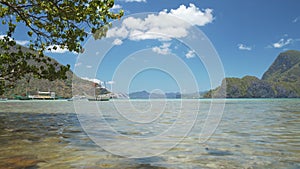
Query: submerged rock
(22, 161)
(216, 152)
(145, 166)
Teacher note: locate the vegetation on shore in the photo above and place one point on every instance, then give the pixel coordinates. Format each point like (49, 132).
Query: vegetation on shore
(65, 88)
(50, 25)
(281, 80)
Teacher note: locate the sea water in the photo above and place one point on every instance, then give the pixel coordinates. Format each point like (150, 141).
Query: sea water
(252, 133)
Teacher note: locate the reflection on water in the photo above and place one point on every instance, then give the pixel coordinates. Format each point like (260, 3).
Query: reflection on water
(252, 134)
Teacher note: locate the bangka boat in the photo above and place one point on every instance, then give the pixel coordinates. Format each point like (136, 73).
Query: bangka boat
(3, 99)
(103, 97)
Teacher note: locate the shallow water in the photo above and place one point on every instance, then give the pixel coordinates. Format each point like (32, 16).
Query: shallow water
(253, 133)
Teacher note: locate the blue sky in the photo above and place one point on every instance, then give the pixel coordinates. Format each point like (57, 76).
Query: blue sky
(247, 35)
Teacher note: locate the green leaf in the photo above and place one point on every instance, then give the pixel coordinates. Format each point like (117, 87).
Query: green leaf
(30, 33)
(52, 23)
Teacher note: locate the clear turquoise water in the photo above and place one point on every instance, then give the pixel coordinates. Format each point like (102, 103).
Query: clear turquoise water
(253, 133)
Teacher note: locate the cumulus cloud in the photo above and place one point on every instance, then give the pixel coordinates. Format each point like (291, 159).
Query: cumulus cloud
(22, 42)
(25, 42)
(118, 32)
(162, 26)
(19, 42)
(244, 47)
(282, 42)
(92, 80)
(116, 6)
(190, 54)
(58, 49)
(2, 36)
(193, 15)
(117, 42)
(163, 49)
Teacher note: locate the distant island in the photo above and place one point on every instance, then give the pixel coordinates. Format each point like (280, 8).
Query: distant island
(146, 95)
(281, 80)
(169, 95)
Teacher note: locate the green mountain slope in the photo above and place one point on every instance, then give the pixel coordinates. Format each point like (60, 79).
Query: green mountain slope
(281, 80)
(286, 68)
(73, 85)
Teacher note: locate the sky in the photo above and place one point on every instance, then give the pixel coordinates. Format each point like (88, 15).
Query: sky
(186, 46)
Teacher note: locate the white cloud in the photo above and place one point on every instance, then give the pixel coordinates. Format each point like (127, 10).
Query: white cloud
(25, 42)
(117, 42)
(244, 47)
(19, 42)
(2, 37)
(88, 66)
(296, 20)
(22, 42)
(193, 15)
(110, 82)
(117, 32)
(164, 25)
(282, 42)
(58, 50)
(163, 49)
(117, 6)
(78, 64)
(135, 1)
(92, 80)
(190, 54)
